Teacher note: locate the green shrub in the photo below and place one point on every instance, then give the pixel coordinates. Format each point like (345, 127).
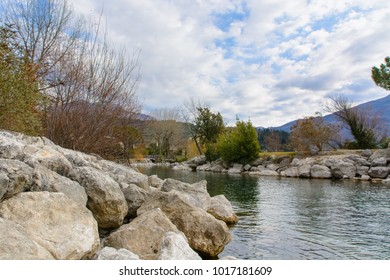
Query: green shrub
(239, 145)
(211, 152)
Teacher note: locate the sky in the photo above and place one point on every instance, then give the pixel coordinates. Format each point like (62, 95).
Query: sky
(267, 61)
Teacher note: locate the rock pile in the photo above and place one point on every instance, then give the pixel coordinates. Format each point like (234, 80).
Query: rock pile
(57, 203)
(366, 165)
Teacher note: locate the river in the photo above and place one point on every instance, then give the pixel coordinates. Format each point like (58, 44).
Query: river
(294, 219)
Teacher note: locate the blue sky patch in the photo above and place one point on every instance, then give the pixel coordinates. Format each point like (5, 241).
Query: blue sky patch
(224, 20)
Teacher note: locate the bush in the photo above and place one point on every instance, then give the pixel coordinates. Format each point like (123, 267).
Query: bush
(239, 145)
(19, 95)
(211, 153)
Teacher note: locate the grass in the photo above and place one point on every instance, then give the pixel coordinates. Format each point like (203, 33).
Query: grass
(277, 154)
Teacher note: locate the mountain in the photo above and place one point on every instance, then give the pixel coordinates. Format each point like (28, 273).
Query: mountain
(381, 107)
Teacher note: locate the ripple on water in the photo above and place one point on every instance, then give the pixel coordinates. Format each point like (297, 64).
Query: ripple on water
(282, 218)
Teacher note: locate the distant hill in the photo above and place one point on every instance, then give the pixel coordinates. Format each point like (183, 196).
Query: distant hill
(379, 106)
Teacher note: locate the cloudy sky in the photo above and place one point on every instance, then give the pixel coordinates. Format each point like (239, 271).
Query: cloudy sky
(270, 61)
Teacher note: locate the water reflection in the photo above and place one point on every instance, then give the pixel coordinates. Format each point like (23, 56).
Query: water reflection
(283, 218)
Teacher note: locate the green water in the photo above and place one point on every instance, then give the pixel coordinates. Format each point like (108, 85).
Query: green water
(284, 218)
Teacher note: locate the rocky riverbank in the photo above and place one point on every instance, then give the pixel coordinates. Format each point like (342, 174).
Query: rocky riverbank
(369, 165)
(57, 203)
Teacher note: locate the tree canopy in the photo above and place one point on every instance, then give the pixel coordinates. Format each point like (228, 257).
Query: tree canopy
(364, 125)
(19, 95)
(381, 75)
(239, 144)
(312, 133)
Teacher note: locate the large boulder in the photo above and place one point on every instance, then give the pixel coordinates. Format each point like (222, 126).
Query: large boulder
(382, 153)
(124, 174)
(304, 170)
(105, 198)
(10, 148)
(222, 209)
(344, 169)
(135, 197)
(143, 235)
(16, 244)
(380, 172)
(217, 167)
(359, 160)
(382, 161)
(195, 194)
(4, 181)
(15, 176)
(175, 246)
(290, 172)
(79, 159)
(362, 170)
(320, 172)
(196, 161)
(204, 167)
(60, 225)
(50, 158)
(236, 169)
(205, 233)
(109, 253)
(47, 180)
(155, 181)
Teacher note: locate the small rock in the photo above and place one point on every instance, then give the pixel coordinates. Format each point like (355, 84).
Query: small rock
(365, 178)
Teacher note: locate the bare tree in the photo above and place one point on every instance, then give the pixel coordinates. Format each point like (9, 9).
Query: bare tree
(47, 30)
(364, 125)
(95, 92)
(313, 134)
(89, 85)
(273, 141)
(167, 131)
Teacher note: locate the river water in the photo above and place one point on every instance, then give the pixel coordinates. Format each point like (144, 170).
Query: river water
(294, 219)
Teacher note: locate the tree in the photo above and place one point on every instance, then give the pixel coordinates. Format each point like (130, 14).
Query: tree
(209, 125)
(19, 96)
(166, 131)
(364, 125)
(46, 29)
(240, 144)
(273, 139)
(203, 125)
(313, 133)
(190, 114)
(381, 76)
(95, 90)
(89, 85)
(127, 138)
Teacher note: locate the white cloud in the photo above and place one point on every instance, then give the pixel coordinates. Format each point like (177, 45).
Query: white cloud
(280, 61)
